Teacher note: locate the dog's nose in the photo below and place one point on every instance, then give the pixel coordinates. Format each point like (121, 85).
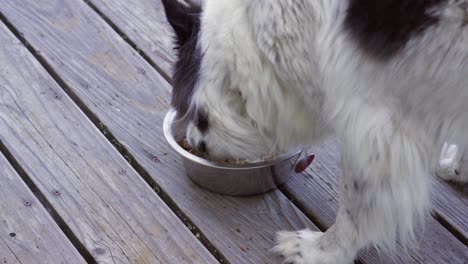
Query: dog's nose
(201, 147)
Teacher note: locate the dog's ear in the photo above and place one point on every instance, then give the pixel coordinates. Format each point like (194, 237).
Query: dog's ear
(183, 17)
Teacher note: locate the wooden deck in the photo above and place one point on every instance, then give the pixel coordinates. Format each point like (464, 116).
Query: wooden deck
(86, 175)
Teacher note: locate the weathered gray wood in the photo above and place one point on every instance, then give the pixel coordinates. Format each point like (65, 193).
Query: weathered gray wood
(451, 202)
(130, 19)
(450, 199)
(131, 100)
(109, 208)
(27, 232)
(144, 22)
(317, 190)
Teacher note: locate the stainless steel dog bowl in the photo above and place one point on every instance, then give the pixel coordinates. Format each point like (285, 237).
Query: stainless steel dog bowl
(233, 179)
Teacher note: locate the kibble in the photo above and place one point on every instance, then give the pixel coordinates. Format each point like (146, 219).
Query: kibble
(185, 145)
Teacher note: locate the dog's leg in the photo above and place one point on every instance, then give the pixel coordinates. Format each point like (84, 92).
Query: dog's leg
(452, 164)
(384, 191)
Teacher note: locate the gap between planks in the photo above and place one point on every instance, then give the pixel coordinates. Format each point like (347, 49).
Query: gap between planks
(130, 42)
(291, 197)
(197, 233)
(45, 203)
(321, 174)
(450, 227)
(440, 218)
(28, 232)
(105, 130)
(288, 217)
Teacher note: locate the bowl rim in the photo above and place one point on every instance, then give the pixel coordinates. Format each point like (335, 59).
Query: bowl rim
(167, 129)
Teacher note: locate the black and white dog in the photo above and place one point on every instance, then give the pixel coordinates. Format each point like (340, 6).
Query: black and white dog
(389, 78)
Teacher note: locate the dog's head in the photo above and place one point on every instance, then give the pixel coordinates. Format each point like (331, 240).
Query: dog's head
(229, 101)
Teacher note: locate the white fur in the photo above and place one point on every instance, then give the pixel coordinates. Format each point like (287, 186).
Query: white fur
(245, 97)
(282, 73)
(305, 247)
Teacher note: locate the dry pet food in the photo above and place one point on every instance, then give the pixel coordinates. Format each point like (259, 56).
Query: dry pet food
(185, 145)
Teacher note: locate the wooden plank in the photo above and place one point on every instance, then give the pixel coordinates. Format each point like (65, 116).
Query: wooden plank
(105, 203)
(317, 190)
(144, 22)
(131, 98)
(449, 202)
(144, 152)
(27, 232)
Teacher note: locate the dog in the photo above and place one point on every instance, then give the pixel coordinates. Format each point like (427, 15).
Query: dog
(388, 78)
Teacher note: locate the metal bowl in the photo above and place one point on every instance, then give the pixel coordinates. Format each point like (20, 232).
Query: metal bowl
(233, 179)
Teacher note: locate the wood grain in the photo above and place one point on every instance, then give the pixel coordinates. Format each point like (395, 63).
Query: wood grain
(139, 137)
(131, 98)
(317, 190)
(105, 203)
(450, 203)
(144, 22)
(27, 232)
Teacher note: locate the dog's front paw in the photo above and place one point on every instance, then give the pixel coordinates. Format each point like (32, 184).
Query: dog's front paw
(304, 247)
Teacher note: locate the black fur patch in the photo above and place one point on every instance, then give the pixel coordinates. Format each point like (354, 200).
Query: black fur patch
(185, 20)
(201, 121)
(202, 147)
(383, 27)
